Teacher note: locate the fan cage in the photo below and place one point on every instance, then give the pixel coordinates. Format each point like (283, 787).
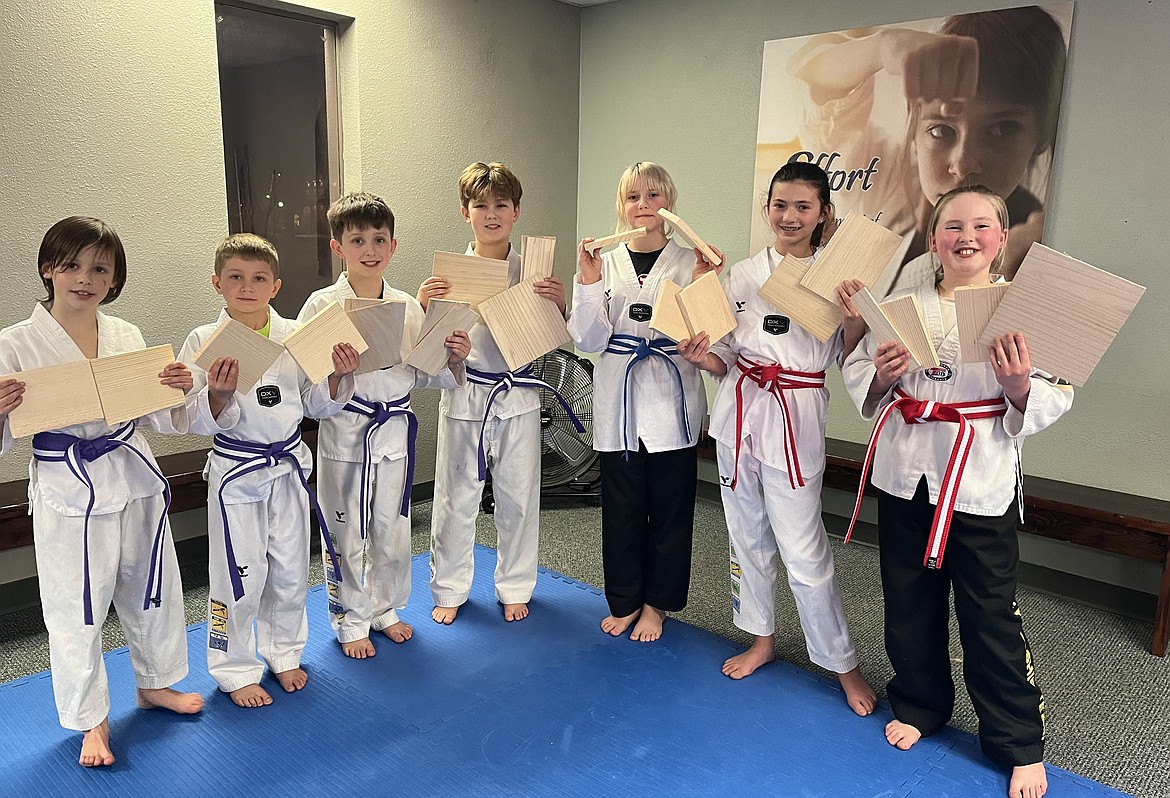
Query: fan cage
(565, 453)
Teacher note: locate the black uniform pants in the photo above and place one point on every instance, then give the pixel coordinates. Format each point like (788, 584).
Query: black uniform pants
(647, 522)
(980, 561)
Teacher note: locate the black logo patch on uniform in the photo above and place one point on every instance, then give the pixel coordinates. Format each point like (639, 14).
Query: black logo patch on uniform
(940, 373)
(608, 293)
(340, 516)
(640, 312)
(268, 395)
(740, 307)
(775, 324)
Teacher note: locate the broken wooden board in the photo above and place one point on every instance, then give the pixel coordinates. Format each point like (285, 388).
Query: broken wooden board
(443, 317)
(55, 397)
(905, 315)
(524, 324)
(705, 307)
(380, 323)
(1068, 311)
(253, 352)
(879, 326)
(311, 344)
(616, 238)
(974, 306)
(537, 257)
(129, 386)
(667, 317)
(817, 315)
(860, 250)
(687, 234)
(472, 279)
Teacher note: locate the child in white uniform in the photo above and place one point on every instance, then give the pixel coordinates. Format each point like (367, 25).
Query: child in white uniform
(366, 452)
(769, 421)
(948, 503)
(257, 505)
(108, 541)
(649, 406)
(504, 431)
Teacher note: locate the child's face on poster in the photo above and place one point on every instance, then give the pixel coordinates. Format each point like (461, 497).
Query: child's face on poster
(977, 141)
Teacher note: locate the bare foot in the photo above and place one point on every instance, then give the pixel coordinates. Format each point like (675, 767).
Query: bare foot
(253, 695)
(358, 649)
(166, 698)
(515, 612)
(861, 697)
(1028, 781)
(615, 626)
(293, 679)
(444, 615)
(761, 652)
(649, 625)
(902, 735)
(95, 746)
(399, 632)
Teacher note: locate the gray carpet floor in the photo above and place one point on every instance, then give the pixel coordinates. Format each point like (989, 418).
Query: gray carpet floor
(1108, 700)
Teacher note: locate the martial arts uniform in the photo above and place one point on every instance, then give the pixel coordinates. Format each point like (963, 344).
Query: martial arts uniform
(769, 422)
(510, 433)
(117, 551)
(648, 410)
(259, 565)
(364, 478)
(921, 559)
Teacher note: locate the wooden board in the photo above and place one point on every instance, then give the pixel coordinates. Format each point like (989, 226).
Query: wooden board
(667, 317)
(444, 317)
(55, 397)
(380, 324)
(473, 279)
(814, 313)
(1068, 311)
(906, 316)
(524, 324)
(974, 306)
(880, 327)
(311, 344)
(705, 307)
(859, 250)
(255, 353)
(537, 256)
(687, 234)
(129, 386)
(616, 238)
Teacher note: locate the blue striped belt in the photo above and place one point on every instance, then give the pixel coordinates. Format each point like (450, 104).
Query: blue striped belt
(639, 349)
(60, 447)
(379, 413)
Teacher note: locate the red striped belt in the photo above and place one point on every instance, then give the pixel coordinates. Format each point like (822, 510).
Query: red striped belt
(778, 381)
(915, 411)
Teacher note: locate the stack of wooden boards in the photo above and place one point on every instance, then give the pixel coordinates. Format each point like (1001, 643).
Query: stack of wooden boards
(682, 313)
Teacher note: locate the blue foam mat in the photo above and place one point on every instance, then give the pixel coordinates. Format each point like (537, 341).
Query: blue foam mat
(547, 706)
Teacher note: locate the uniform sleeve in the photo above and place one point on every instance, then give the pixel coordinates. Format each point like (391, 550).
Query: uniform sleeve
(8, 365)
(1048, 400)
(317, 402)
(858, 372)
(198, 405)
(589, 324)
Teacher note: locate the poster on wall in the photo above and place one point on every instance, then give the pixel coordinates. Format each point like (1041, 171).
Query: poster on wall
(899, 114)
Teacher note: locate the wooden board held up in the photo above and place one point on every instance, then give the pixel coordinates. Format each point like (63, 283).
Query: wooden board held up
(1068, 311)
(879, 326)
(687, 234)
(819, 316)
(859, 250)
(444, 317)
(974, 306)
(524, 324)
(906, 316)
(129, 386)
(311, 345)
(667, 317)
(616, 238)
(380, 324)
(55, 397)
(473, 279)
(537, 256)
(254, 353)
(705, 307)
